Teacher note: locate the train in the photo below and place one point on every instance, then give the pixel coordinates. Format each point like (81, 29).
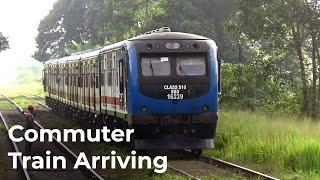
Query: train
(163, 84)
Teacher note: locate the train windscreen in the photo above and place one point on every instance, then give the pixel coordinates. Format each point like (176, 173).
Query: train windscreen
(179, 65)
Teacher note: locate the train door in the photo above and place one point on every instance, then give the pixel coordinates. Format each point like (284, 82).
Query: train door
(50, 81)
(44, 77)
(114, 83)
(73, 85)
(89, 84)
(103, 82)
(67, 82)
(63, 83)
(79, 84)
(81, 90)
(57, 82)
(86, 85)
(92, 86)
(122, 83)
(108, 90)
(96, 85)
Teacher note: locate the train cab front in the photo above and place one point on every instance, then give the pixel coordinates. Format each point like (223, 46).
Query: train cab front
(174, 91)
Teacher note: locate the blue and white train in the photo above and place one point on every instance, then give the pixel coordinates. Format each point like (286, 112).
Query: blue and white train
(163, 84)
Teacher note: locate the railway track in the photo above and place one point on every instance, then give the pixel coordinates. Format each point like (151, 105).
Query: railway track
(204, 159)
(228, 165)
(88, 173)
(24, 172)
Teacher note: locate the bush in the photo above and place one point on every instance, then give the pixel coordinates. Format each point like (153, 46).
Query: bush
(246, 86)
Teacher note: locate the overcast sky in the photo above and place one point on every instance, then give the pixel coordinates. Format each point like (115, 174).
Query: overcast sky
(19, 20)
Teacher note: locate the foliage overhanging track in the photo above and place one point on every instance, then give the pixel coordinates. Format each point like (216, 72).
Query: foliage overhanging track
(24, 172)
(210, 160)
(88, 172)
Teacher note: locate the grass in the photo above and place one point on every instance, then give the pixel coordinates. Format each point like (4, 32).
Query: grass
(14, 90)
(287, 147)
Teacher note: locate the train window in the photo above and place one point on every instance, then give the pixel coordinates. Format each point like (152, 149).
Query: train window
(74, 81)
(109, 68)
(191, 65)
(109, 78)
(97, 81)
(57, 79)
(80, 82)
(102, 79)
(67, 80)
(155, 66)
(102, 65)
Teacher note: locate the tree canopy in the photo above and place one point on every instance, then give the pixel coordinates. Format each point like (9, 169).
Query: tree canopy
(78, 23)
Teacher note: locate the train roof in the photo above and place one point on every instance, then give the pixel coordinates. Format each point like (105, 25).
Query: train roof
(157, 35)
(168, 36)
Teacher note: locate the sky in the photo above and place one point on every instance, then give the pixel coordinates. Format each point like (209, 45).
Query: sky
(19, 20)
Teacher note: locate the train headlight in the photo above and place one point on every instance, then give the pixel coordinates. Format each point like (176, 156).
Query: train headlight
(144, 109)
(149, 46)
(172, 45)
(205, 108)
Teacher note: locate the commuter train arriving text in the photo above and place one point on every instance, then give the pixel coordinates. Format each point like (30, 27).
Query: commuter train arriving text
(162, 84)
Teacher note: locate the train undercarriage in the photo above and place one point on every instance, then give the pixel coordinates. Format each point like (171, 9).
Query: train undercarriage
(194, 132)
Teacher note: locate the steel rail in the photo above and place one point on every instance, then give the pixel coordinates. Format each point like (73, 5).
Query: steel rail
(37, 96)
(182, 172)
(89, 172)
(228, 165)
(23, 171)
(41, 104)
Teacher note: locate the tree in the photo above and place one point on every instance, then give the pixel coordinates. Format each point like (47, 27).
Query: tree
(283, 24)
(70, 21)
(93, 23)
(4, 43)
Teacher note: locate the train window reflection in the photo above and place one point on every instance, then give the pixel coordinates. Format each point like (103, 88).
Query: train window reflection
(191, 66)
(155, 66)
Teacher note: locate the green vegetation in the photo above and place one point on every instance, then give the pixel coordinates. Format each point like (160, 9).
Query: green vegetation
(74, 25)
(280, 145)
(271, 81)
(17, 89)
(279, 41)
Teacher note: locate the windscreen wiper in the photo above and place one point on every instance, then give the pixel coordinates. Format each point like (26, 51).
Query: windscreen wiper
(151, 67)
(182, 70)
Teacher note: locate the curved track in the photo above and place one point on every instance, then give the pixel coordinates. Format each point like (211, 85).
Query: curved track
(24, 172)
(209, 160)
(89, 173)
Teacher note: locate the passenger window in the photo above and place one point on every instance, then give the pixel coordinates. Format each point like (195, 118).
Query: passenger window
(80, 82)
(102, 79)
(109, 68)
(97, 81)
